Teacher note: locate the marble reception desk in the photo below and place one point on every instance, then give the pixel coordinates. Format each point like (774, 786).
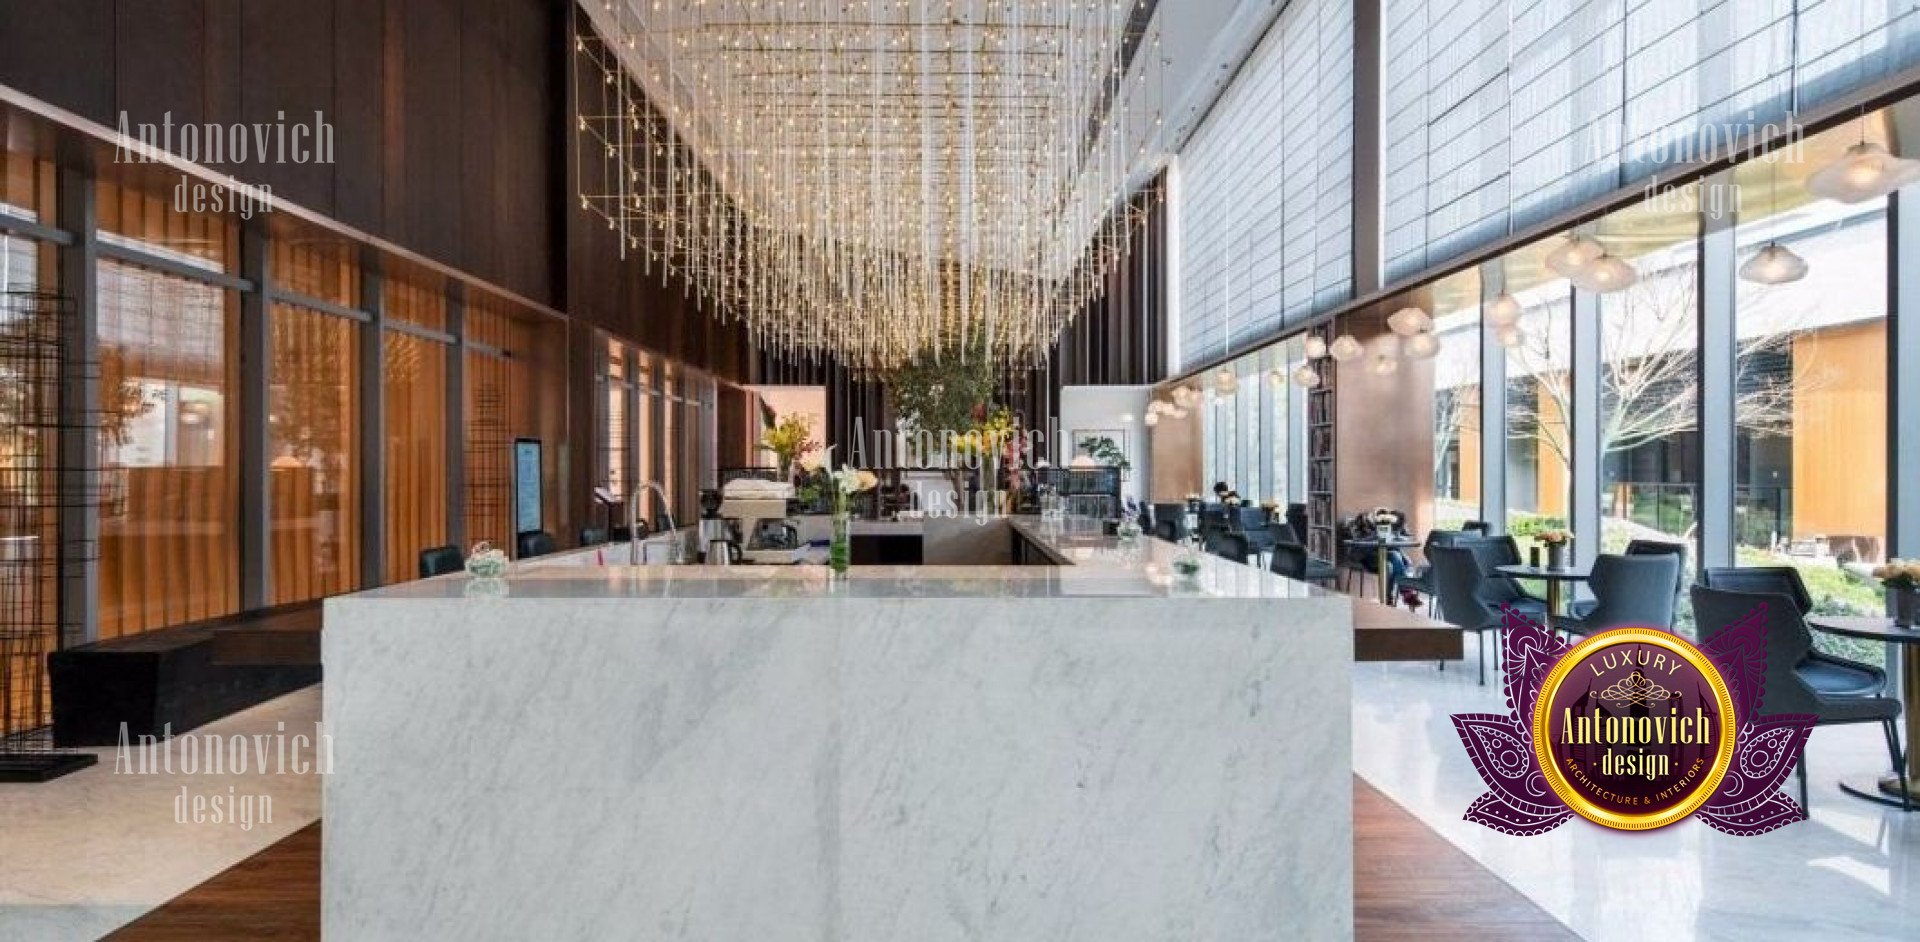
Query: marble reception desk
(1090, 751)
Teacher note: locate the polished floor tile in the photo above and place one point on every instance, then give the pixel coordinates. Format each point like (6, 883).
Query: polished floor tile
(84, 854)
(1851, 872)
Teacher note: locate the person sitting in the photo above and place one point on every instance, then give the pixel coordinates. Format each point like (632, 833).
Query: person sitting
(1362, 527)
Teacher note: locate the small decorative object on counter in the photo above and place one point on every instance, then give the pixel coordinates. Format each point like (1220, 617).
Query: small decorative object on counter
(1383, 520)
(1557, 542)
(1128, 530)
(485, 562)
(1902, 579)
(1187, 566)
(847, 482)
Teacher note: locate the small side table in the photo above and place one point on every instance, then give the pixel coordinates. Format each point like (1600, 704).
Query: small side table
(1381, 562)
(1886, 789)
(1554, 578)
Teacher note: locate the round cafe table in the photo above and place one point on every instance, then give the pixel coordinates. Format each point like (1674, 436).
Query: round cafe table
(1885, 789)
(1382, 565)
(1552, 577)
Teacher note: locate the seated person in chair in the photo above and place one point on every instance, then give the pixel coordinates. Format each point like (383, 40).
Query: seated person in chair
(1361, 527)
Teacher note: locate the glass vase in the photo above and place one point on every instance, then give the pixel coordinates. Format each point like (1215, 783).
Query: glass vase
(1906, 607)
(1556, 555)
(840, 550)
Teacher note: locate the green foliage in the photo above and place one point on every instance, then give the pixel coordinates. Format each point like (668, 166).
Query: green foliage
(1526, 526)
(947, 393)
(1106, 451)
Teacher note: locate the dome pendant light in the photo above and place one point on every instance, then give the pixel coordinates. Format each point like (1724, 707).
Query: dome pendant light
(1571, 257)
(1775, 264)
(1503, 311)
(1866, 171)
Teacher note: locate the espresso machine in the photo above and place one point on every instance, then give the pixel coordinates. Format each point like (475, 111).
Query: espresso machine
(755, 513)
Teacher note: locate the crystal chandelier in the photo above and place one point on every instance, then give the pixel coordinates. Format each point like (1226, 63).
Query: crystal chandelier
(872, 180)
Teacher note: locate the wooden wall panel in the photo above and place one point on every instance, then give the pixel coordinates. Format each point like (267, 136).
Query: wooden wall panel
(41, 41)
(287, 70)
(358, 112)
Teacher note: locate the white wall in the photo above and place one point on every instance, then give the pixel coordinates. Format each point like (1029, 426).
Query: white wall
(1101, 407)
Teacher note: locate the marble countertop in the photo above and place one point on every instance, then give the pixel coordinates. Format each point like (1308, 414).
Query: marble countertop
(1094, 565)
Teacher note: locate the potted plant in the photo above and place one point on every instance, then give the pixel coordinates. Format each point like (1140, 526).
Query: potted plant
(788, 439)
(1556, 542)
(847, 482)
(1902, 579)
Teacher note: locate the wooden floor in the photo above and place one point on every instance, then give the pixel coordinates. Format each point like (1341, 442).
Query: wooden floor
(1408, 883)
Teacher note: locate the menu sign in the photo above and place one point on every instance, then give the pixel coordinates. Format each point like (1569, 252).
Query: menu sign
(526, 485)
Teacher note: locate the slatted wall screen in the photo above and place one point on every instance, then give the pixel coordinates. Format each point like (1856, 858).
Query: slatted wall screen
(1501, 113)
(1266, 229)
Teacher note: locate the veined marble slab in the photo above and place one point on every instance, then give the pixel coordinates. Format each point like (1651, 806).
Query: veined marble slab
(1093, 752)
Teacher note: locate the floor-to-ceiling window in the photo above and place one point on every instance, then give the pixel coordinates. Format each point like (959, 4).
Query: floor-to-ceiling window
(1539, 394)
(1454, 369)
(415, 388)
(1811, 397)
(1647, 426)
(169, 537)
(313, 458)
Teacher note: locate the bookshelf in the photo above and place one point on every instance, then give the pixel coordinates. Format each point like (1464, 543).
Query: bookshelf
(1322, 525)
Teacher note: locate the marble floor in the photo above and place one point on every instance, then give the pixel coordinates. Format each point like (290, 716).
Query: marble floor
(1851, 872)
(90, 852)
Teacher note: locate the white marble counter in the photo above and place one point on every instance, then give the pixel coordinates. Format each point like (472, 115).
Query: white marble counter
(1094, 751)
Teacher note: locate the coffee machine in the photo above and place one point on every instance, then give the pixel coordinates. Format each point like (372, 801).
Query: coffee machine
(756, 514)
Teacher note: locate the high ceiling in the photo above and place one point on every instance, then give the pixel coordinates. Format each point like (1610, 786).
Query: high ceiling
(874, 179)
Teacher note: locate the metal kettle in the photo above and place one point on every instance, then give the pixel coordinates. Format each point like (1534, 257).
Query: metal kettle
(723, 553)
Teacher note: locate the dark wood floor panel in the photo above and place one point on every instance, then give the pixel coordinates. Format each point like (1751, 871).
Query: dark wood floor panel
(1408, 883)
(274, 894)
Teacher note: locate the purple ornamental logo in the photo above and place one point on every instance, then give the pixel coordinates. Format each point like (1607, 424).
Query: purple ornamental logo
(1634, 729)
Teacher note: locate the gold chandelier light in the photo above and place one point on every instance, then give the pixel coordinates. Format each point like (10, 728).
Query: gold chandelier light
(872, 180)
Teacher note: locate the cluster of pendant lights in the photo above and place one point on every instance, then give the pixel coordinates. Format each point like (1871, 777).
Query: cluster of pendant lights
(873, 180)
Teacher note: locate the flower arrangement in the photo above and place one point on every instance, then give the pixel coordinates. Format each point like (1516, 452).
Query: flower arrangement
(788, 439)
(485, 562)
(1899, 574)
(1187, 565)
(847, 482)
(1383, 517)
(1555, 537)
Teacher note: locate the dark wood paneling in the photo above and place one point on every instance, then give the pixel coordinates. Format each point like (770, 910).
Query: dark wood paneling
(287, 75)
(358, 112)
(152, 78)
(59, 51)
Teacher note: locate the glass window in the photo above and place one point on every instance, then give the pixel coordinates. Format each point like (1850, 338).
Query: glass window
(313, 456)
(1811, 385)
(1648, 428)
(615, 436)
(1539, 422)
(169, 548)
(415, 385)
(1455, 401)
(318, 267)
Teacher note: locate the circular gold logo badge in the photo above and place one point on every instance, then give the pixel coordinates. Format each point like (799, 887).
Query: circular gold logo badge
(1634, 728)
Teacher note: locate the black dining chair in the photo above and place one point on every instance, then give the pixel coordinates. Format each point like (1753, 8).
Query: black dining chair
(1459, 584)
(1664, 548)
(1493, 551)
(1830, 674)
(592, 536)
(1629, 592)
(534, 543)
(440, 560)
(1168, 530)
(1289, 560)
(1227, 545)
(1421, 580)
(1477, 528)
(1789, 643)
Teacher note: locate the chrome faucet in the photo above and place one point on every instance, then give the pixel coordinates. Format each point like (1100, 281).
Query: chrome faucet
(633, 523)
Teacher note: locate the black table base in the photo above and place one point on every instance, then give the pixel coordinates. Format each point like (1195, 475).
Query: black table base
(1883, 789)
